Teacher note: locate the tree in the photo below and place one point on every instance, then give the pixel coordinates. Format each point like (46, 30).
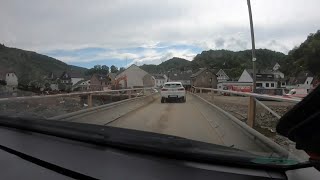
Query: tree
(105, 69)
(122, 69)
(98, 69)
(114, 69)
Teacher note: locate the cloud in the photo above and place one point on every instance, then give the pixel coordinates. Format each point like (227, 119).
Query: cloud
(133, 29)
(141, 55)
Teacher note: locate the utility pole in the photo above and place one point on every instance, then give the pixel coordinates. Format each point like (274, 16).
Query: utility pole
(252, 102)
(253, 47)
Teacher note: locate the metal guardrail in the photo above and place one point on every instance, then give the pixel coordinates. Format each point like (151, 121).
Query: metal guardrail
(88, 93)
(252, 100)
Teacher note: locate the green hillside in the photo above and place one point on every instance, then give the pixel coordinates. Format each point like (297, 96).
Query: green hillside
(304, 57)
(233, 62)
(30, 66)
(171, 64)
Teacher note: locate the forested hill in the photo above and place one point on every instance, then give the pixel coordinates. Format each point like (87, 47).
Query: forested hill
(233, 62)
(304, 57)
(31, 66)
(175, 63)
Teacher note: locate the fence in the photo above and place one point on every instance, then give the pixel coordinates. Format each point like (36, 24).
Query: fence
(46, 106)
(253, 99)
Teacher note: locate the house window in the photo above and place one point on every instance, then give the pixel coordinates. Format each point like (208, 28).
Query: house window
(269, 76)
(259, 84)
(258, 75)
(272, 84)
(210, 80)
(8, 75)
(307, 82)
(267, 84)
(283, 84)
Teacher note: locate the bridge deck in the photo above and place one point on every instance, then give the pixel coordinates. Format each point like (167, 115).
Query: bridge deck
(193, 120)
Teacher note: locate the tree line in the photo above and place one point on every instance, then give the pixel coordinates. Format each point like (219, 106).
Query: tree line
(104, 69)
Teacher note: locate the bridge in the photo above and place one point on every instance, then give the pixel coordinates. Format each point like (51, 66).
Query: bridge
(197, 119)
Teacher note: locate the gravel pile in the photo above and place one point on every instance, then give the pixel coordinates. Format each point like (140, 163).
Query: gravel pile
(41, 108)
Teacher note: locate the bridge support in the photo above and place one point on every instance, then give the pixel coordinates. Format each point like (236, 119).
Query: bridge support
(251, 112)
(200, 91)
(90, 100)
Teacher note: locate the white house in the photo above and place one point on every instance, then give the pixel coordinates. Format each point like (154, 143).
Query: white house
(222, 76)
(11, 80)
(303, 80)
(76, 77)
(136, 77)
(264, 79)
(82, 85)
(159, 79)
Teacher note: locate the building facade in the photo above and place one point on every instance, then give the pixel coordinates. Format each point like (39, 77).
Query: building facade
(264, 79)
(204, 78)
(222, 76)
(11, 81)
(98, 82)
(135, 77)
(159, 79)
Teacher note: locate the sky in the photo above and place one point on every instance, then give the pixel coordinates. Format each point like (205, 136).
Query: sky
(125, 32)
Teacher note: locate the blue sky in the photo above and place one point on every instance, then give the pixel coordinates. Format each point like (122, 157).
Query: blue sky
(86, 33)
(123, 57)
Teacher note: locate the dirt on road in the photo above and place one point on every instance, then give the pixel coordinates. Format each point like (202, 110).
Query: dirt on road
(265, 121)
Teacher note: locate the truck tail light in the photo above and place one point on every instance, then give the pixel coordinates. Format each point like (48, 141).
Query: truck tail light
(164, 89)
(181, 89)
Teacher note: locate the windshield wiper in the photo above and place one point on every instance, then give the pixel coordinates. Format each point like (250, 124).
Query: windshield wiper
(143, 142)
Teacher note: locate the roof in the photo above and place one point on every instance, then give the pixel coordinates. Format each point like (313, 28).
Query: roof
(65, 75)
(132, 65)
(214, 71)
(101, 77)
(158, 76)
(4, 73)
(300, 78)
(198, 72)
(79, 82)
(260, 71)
(76, 74)
(265, 75)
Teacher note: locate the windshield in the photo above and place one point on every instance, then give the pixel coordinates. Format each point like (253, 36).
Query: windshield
(113, 63)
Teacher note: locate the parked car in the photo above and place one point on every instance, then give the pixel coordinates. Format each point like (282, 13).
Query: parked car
(297, 93)
(173, 91)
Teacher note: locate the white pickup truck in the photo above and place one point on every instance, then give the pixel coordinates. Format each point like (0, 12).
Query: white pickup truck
(173, 91)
